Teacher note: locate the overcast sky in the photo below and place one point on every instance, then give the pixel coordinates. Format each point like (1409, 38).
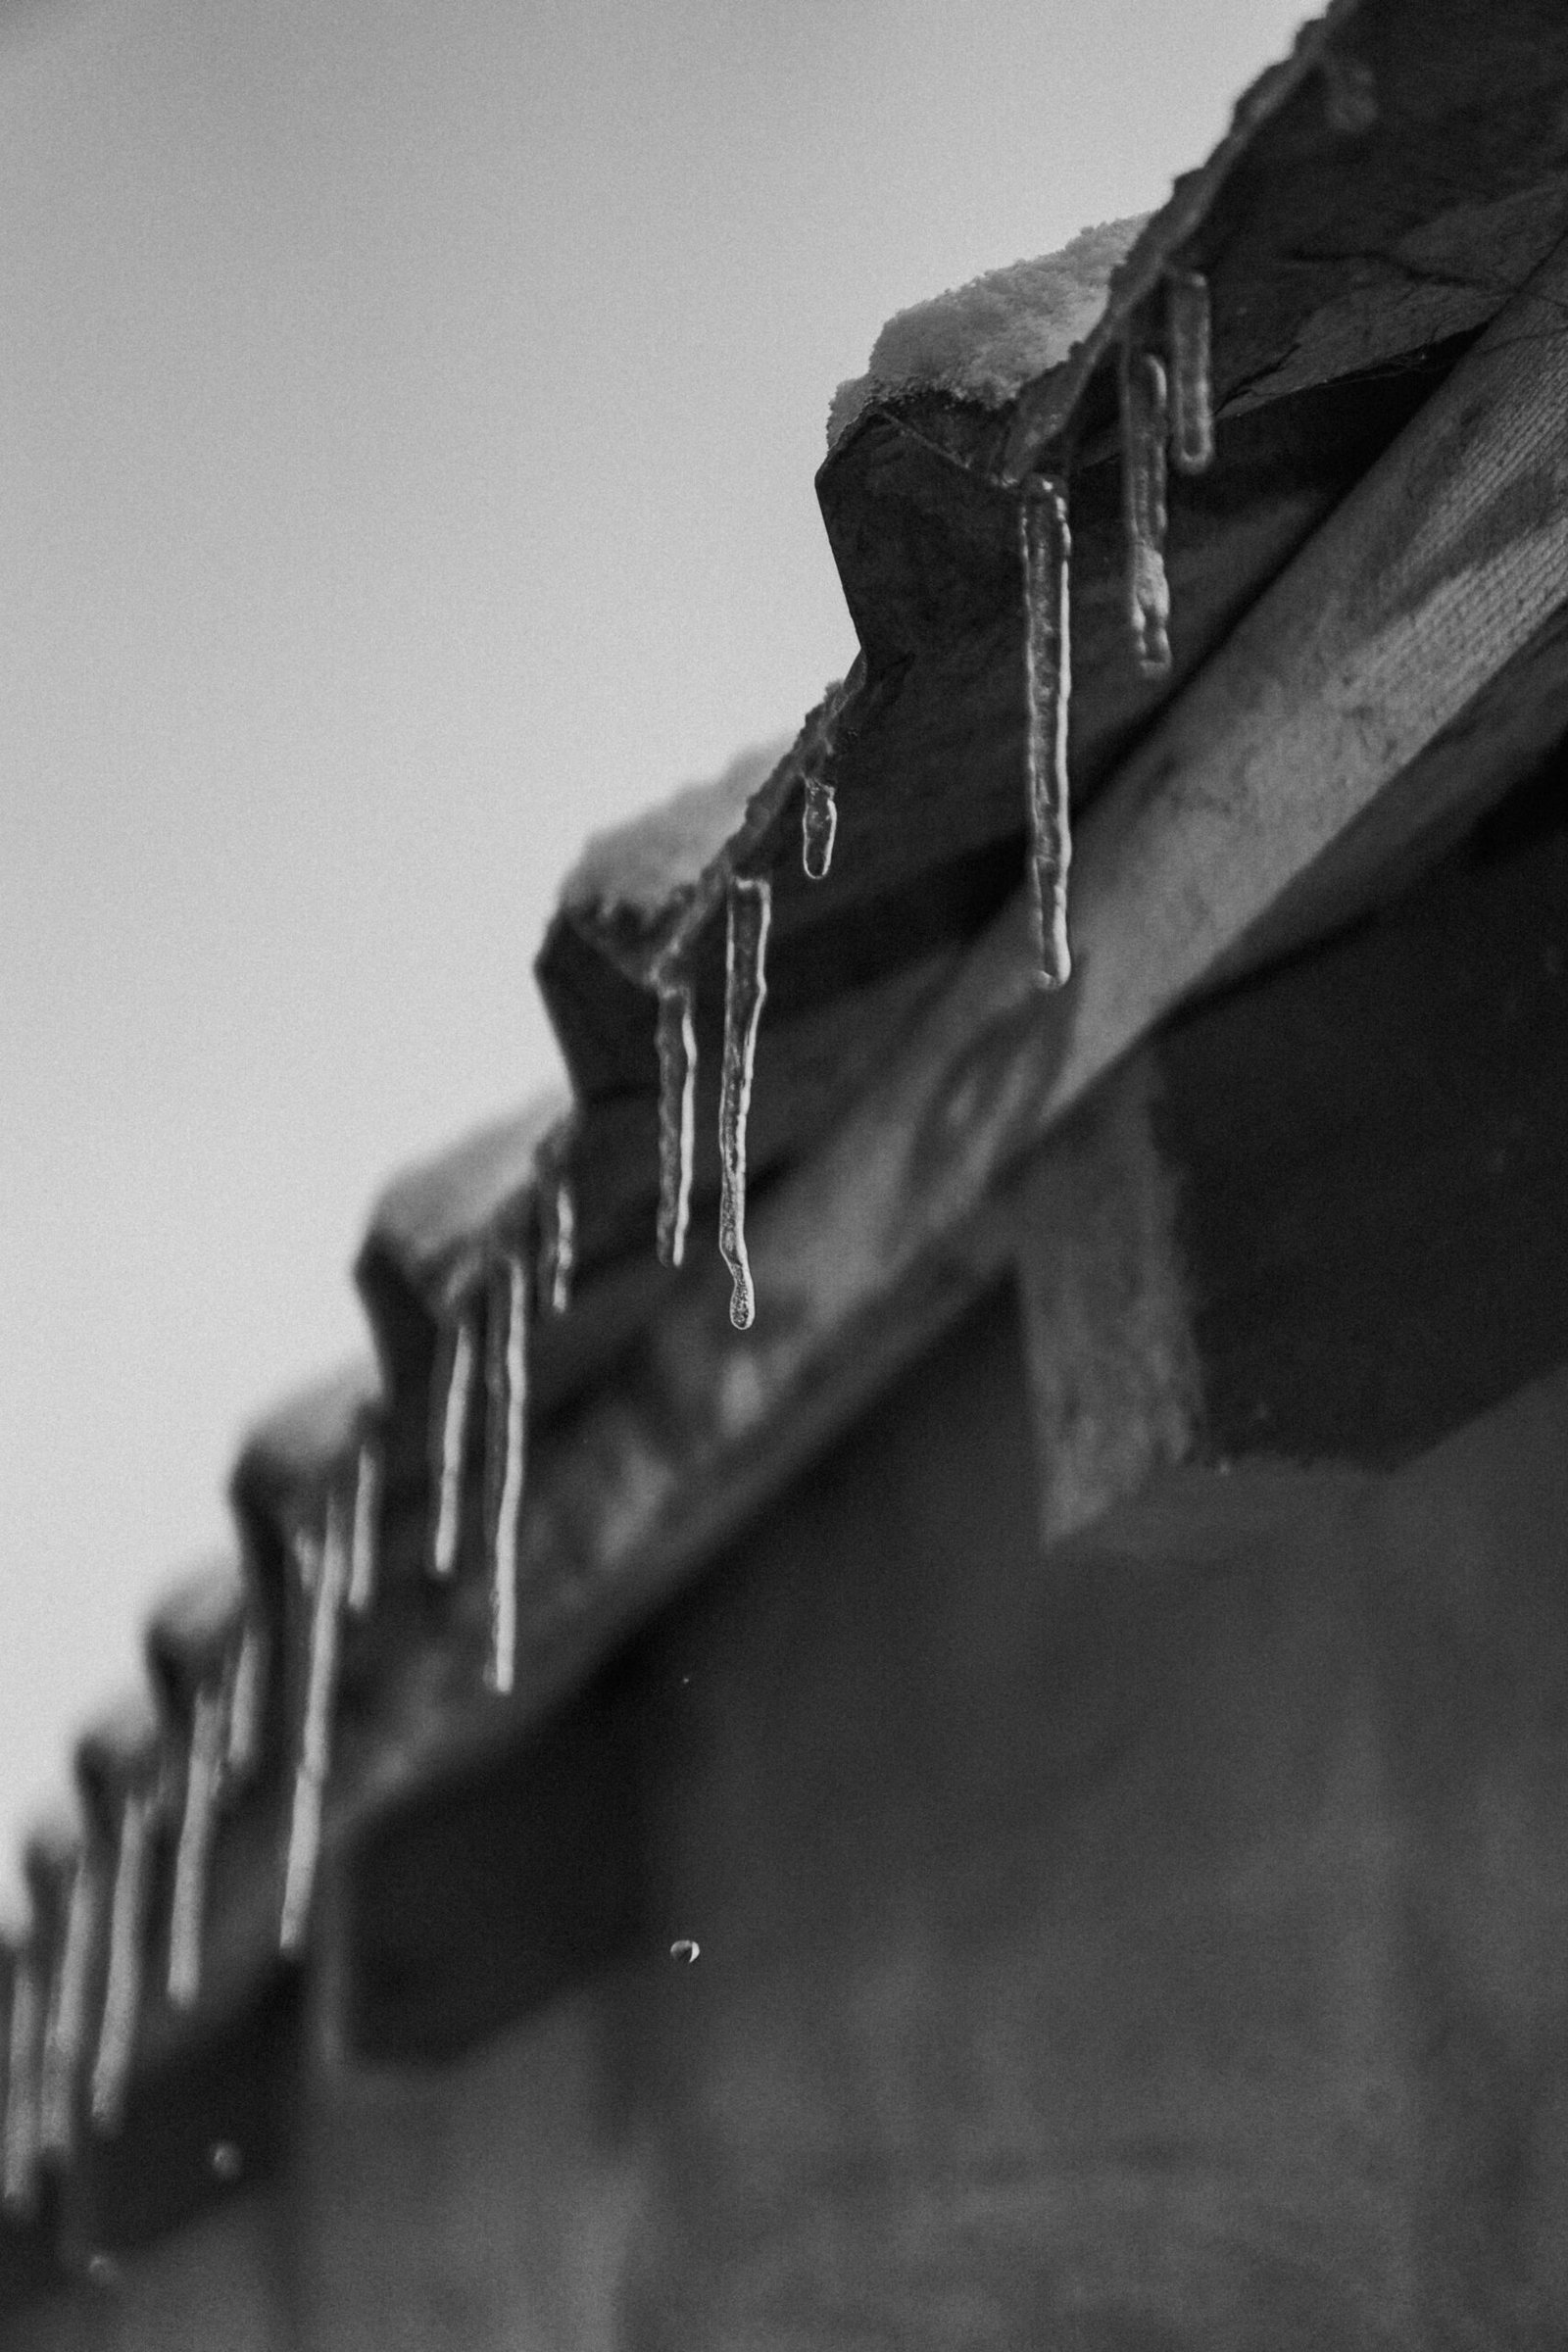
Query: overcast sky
(407, 419)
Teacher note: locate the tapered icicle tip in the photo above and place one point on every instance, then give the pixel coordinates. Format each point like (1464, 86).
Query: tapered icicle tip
(1045, 547)
(508, 1378)
(749, 912)
(1143, 429)
(677, 1112)
(1192, 402)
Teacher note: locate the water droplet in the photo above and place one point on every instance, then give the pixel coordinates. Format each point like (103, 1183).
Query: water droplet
(1192, 405)
(750, 910)
(677, 1112)
(685, 1949)
(450, 1447)
(1144, 432)
(225, 2160)
(188, 1911)
(127, 1922)
(1046, 551)
(506, 1373)
(316, 1730)
(103, 2272)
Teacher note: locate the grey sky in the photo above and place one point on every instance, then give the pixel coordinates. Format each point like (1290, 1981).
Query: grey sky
(408, 416)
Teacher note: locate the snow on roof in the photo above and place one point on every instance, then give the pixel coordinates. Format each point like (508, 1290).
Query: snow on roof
(638, 866)
(986, 340)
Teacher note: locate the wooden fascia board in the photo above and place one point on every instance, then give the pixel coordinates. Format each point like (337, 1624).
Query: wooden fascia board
(1446, 564)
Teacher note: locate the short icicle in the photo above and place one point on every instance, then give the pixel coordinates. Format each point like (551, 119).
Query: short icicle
(127, 1926)
(1047, 550)
(507, 1381)
(243, 1742)
(23, 2086)
(316, 1733)
(1144, 427)
(1192, 395)
(449, 1441)
(65, 2048)
(820, 823)
(198, 1823)
(748, 912)
(558, 1223)
(366, 1520)
(677, 1112)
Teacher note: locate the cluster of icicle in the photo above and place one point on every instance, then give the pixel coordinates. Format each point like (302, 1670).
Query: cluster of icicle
(1165, 402)
(76, 1993)
(77, 1978)
(747, 916)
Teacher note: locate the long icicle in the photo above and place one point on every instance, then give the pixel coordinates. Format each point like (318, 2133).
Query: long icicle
(23, 2084)
(198, 1822)
(1188, 333)
(820, 824)
(367, 1519)
(450, 1447)
(677, 1112)
(315, 1732)
(127, 1920)
(508, 1441)
(65, 2048)
(1144, 428)
(1047, 550)
(748, 915)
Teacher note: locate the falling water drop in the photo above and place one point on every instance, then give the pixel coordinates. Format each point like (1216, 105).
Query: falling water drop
(508, 1372)
(66, 2044)
(685, 1948)
(677, 1112)
(128, 1919)
(315, 1732)
(750, 910)
(1191, 396)
(819, 822)
(1047, 550)
(225, 2159)
(187, 1910)
(366, 1518)
(23, 2084)
(450, 1446)
(1144, 425)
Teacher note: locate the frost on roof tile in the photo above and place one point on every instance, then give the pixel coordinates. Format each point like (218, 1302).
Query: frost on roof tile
(986, 340)
(639, 866)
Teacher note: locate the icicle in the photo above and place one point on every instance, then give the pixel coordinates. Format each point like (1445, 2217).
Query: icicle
(23, 2086)
(1046, 548)
(366, 1516)
(450, 1447)
(66, 2044)
(188, 1911)
(751, 906)
(128, 1919)
(1349, 93)
(315, 1732)
(508, 1371)
(245, 1705)
(820, 823)
(1143, 499)
(557, 1233)
(677, 1114)
(1191, 400)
